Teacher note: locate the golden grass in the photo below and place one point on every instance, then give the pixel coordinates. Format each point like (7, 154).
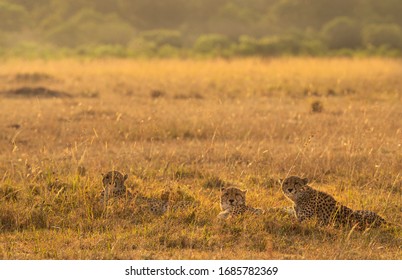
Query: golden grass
(187, 126)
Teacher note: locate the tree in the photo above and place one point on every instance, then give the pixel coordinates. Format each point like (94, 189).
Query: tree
(154, 14)
(162, 37)
(383, 35)
(90, 27)
(211, 43)
(342, 32)
(303, 14)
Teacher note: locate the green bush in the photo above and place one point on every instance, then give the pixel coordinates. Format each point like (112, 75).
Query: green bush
(140, 47)
(269, 46)
(162, 37)
(32, 50)
(277, 45)
(383, 35)
(246, 46)
(342, 32)
(312, 47)
(212, 44)
(168, 51)
(108, 51)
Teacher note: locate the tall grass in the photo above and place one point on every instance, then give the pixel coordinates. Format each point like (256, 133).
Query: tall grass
(248, 122)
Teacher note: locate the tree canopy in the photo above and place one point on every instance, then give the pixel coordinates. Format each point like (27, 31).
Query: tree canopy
(219, 27)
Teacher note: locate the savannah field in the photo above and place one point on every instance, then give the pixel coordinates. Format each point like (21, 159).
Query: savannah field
(192, 126)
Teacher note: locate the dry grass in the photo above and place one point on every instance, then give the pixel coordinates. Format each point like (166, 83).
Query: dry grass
(191, 126)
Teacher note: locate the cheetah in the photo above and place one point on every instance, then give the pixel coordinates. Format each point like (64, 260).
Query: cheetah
(183, 205)
(181, 201)
(233, 203)
(367, 218)
(113, 183)
(154, 205)
(310, 203)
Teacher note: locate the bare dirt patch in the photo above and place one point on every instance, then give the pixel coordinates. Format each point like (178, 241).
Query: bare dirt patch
(35, 92)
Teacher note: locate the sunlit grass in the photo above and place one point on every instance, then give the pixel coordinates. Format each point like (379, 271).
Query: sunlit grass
(190, 127)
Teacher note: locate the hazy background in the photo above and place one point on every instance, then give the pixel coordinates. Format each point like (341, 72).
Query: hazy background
(171, 28)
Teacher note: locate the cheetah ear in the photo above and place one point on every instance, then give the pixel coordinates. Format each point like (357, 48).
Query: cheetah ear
(305, 181)
(125, 177)
(223, 188)
(245, 191)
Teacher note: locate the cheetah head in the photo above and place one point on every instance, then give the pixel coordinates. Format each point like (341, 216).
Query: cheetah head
(165, 196)
(113, 182)
(292, 186)
(232, 197)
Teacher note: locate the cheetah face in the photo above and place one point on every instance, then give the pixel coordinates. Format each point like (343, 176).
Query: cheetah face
(113, 181)
(292, 186)
(232, 197)
(165, 196)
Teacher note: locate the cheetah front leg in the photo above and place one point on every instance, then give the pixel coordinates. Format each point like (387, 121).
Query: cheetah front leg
(224, 214)
(302, 215)
(289, 210)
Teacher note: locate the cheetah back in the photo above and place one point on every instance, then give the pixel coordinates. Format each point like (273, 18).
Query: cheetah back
(154, 205)
(365, 218)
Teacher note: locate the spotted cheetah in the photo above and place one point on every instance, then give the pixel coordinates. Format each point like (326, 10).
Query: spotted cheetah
(154, 205)
(309, 203)
(183, 205)
(366, 218)
(113, 183)
(233, 203)
(182, 201)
